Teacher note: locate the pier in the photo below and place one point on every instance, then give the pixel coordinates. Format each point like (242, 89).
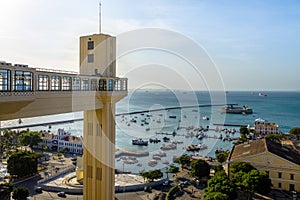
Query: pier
(119, 114)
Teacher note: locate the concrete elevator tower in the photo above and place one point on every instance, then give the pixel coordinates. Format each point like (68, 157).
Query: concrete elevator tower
(97, 58)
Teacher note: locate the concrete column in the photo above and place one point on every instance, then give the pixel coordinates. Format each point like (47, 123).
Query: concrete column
(99, 153)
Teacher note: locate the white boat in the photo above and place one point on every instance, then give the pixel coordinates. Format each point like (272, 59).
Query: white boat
(262, 94)
(152, 163)
(205, 117)
(169, 146)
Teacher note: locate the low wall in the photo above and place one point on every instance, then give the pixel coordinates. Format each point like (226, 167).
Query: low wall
(79, 191)
(60, 173)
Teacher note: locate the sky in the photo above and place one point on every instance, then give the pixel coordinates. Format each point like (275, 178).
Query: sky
(253, 45)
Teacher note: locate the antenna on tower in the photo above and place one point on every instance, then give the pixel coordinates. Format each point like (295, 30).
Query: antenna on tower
(100, 17)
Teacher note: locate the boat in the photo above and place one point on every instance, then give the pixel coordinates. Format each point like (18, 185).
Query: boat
(154, 140)
(262, 94)
(152, 163)
(196, 147)
(236, 110)
(169, 146)
(205, 117)
(140, 142)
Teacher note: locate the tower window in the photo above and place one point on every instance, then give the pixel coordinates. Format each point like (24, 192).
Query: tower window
(90, 45)
(279, 174)
(90, 58)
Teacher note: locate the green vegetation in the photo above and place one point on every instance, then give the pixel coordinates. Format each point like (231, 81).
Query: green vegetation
(218, 168)
(244, 178)
(216, 196)
(220, 183)
(152, 174)
(64, 149)
(172, 191)
(22, 163)
(184, 160)
(295, 131)
(20, 193)
(222, 156)
(244, 133)
(173, 169)
(30, 138)
(200, 168)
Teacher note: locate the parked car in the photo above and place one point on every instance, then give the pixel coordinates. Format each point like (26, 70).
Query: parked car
(38, 189)
(61, 194)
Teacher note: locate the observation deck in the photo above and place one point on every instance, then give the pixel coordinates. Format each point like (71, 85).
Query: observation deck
(31, 92)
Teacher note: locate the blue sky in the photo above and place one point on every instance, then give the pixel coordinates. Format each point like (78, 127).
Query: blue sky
(254, 44)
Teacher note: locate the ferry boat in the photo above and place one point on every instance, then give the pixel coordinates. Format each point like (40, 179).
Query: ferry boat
(140, 142)
(236, 110)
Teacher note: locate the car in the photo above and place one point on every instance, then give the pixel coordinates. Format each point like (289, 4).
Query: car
(166, 183)
(61, 194)
(38, 189)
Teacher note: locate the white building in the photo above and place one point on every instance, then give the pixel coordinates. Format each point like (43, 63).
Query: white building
(264, 127)
(63, 140)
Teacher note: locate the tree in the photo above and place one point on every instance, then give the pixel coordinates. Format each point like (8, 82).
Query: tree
(20, 193)
(200, 168)
(184, 160)
(151, 175)
(222, 156)
(173, 169)
(220, 183)
(244, 130)
(218, 168)
(30, 138)
(295, 131)
(256, 181)
(216, 196)
(22, 163)
(241, 166)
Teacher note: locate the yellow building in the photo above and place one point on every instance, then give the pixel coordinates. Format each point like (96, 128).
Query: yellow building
(97, 57)
(281, 162)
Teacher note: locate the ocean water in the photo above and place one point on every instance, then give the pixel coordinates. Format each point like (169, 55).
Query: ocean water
(277, 107)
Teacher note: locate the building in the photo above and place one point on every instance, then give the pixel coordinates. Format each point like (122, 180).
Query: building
(280, 161)
(263, 127)
(98, 57)
(61, 141)
(31, 92)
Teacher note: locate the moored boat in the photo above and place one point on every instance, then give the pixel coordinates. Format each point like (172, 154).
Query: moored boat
(140, 141)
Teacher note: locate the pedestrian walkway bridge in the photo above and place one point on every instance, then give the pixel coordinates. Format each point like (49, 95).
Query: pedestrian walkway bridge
(30, 92)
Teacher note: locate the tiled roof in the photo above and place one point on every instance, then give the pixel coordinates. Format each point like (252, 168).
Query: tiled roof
(264, 145)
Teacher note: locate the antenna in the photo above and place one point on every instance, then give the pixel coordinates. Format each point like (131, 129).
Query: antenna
(100, 17)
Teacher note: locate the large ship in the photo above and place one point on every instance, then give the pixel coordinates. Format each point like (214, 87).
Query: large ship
(236, 110)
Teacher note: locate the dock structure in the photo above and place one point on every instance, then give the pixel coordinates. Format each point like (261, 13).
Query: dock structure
(32, 92)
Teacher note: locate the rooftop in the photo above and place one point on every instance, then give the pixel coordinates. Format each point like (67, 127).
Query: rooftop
(264, 145)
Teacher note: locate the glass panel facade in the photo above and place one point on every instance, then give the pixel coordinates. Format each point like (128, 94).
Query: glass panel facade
(76, 83)
(4, 80)
(23, 81)
(94, 84)
(55, 82)
(85, 84)
(102, 85)
(43, 82)
(67, 83)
